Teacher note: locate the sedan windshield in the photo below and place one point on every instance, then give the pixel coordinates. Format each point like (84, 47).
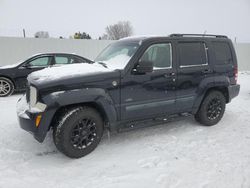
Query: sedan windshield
(117, 55)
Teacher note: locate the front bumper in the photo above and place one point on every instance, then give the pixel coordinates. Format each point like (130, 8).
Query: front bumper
(27, 120)
(233, 91)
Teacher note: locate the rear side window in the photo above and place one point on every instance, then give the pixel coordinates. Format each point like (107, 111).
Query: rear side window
(77, 60)
(192, 54)
(61, 60)
(222, 52)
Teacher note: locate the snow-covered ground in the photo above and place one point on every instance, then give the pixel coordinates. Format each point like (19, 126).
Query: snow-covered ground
(177, 154)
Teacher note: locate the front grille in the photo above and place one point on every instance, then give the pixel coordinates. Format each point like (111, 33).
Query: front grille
(28, 94)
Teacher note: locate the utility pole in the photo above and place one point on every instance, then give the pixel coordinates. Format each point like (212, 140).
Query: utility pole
(24, 35)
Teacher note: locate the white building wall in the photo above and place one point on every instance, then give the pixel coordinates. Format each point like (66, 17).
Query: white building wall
(13, 50)
(243, 56)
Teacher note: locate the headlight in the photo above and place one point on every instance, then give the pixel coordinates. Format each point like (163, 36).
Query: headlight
(35, 106)
(33, 96)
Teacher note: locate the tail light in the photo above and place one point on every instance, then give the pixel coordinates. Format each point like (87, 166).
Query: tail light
(235, 74)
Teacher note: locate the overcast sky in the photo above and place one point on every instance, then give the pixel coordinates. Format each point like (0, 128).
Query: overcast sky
(148, 17)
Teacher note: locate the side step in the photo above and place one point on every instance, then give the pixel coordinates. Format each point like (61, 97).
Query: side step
(152, 122)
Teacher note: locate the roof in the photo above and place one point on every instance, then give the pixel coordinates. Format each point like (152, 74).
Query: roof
(176, 36)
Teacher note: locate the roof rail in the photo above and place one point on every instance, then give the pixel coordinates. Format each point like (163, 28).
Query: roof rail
(197, 35)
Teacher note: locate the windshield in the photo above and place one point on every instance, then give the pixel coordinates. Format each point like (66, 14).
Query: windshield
(117, 55)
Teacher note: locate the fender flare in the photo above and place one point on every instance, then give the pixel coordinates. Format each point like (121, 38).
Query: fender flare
(207, 84)
(58, 99)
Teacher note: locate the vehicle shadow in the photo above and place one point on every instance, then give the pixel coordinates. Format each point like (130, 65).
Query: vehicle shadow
(110, 143)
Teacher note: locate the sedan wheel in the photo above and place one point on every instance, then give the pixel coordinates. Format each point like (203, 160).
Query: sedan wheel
(6, 87)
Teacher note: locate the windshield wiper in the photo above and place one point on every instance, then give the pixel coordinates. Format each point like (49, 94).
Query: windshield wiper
(103, 64)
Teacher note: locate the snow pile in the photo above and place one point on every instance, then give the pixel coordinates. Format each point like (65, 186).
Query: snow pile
(117, 62)
(67, 71)
(181, 154)
(22, 107)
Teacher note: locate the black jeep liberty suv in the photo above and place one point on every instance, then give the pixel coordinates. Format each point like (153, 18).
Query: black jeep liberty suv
(134, 82)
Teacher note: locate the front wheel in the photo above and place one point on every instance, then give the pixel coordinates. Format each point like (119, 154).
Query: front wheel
(78, 132)
(6, 87)
(211, 109)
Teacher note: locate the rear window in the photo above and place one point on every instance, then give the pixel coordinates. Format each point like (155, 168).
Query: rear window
(222, 52)
(192, 54)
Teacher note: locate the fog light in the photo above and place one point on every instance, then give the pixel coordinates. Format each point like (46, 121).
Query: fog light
(38, 120)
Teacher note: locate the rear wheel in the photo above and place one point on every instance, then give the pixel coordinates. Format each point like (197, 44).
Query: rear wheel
(6, 87)
(78, 132)
(211, 109)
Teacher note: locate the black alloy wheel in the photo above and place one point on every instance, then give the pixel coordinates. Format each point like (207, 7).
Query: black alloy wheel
(84, 133)
(78, 131)
(211, 109)
(214, 109)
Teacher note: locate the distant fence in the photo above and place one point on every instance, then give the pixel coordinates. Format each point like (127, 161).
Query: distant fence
(243, 56)
(13, 50)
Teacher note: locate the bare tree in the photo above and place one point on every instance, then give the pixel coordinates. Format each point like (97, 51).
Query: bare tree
(42, 34)
(119, 30)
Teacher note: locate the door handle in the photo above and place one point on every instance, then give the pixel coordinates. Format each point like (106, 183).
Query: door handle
(206, 71)
(167, 75)
(170, 75)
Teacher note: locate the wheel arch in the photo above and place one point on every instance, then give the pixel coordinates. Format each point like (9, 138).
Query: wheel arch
(222, 89)
(94, 98)
(63, 109)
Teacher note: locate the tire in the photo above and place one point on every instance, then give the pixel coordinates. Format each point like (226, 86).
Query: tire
(211, 109)
(78, 131)
(6, 87)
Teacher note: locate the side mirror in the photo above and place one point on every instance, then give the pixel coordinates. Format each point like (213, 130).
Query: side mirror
(144, 67)
(26, 66)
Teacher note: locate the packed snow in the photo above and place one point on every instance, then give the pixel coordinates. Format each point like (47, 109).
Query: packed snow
(10, 66)
(117, 62)
(180, 154)
(66, 71)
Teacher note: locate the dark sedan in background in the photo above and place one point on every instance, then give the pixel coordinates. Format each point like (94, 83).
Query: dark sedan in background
(13, 77)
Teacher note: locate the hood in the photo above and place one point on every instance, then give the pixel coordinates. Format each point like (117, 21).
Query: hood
(66, 75)
(10, 66)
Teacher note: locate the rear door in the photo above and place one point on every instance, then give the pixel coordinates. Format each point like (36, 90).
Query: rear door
(193, 67)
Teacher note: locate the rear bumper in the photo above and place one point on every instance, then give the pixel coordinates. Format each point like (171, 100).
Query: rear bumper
(233, 91)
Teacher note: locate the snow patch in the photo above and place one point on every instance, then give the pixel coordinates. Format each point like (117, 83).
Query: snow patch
(10, 66)
(118, 62)
(177, 154)
(67, 71)
(56, 94)
(22, 107)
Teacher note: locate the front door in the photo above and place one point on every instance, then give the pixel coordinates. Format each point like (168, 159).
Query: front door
(151, 94)
(30, 66)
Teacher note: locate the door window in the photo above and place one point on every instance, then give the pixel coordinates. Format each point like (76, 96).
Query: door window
(192, 54)
(61, 60)
(76, 60)
(222, 53)
(40, 62)
(160, 55)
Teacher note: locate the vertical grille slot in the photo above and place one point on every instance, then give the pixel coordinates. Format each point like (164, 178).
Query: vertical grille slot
(28, 94)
